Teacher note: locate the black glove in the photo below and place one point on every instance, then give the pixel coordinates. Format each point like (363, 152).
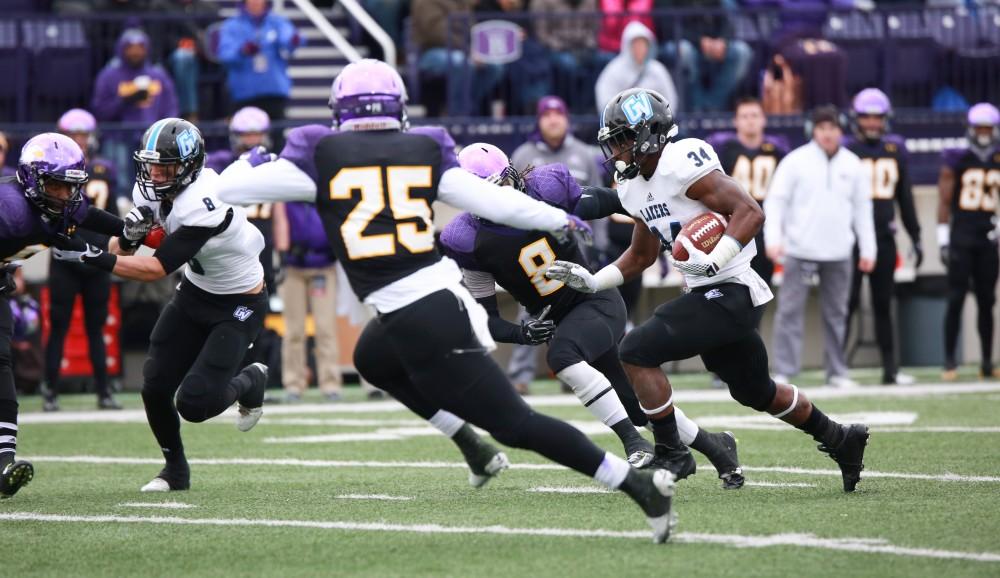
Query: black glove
(944, 255)
(918, 255)
(138, 223)
(535, 332)
(137, 96)
(91, 255)
(7, 283)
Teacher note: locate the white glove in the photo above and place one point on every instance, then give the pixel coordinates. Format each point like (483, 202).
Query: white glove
(138, 223)
(702, 264)
(582, 280)
(79, 256)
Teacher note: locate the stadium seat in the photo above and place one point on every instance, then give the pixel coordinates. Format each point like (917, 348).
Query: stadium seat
(13, 69)
(61, 78)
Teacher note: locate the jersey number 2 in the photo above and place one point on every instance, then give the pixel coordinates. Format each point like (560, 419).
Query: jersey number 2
(374, 192)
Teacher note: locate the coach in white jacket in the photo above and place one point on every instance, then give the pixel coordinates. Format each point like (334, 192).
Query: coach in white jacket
(818, 205)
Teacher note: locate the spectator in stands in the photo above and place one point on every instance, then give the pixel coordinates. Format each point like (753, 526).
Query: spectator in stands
(711, 61)
(635, 66)
(67, 280)
(443, 53)
(818, 204)
(255, 46)
(310, 283)
(530, 76)
(551, 143)
(187, 42)
(568, 30)
(617, 14)
(5, 171)
(131, 89)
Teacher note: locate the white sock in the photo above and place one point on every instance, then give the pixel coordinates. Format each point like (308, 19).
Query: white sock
(612, 471)
(595, 392)
(687, 429)
(447, 423)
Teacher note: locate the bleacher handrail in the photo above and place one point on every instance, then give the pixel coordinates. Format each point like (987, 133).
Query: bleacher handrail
(323, 25)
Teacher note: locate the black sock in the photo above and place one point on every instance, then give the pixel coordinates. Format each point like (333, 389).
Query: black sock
(627, 433)
(822, 429)
(703, 444)
(166, 425)
(665, 431)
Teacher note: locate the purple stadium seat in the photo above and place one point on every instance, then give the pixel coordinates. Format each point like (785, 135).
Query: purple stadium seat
(39, 34)
(61, 78)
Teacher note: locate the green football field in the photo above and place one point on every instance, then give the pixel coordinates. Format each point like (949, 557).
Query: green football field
(367, 489)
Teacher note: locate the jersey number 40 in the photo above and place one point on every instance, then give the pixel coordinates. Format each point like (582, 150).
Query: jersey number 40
(375, 195)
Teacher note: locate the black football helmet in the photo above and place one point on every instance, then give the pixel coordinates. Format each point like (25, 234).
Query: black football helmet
(639, 121)
(170, 141)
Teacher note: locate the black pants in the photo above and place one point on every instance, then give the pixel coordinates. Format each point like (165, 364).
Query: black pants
(66, 281)
(882, 285)
(979, 264)
(427, 356)
(8, 394)
(590, 332)
(718, 323)
(195, 351)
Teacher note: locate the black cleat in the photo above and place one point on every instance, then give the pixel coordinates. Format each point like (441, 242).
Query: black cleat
(678, 462)
(485, 460)
(653, 490)
(15, 475)
(849, 454)
(108, 402)
(726, 460)
(171, 478)
(640, 452)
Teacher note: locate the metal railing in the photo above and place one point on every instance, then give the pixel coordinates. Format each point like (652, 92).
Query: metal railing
(324, 26)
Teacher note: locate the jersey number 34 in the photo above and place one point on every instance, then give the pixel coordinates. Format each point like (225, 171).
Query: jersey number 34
(375, 195)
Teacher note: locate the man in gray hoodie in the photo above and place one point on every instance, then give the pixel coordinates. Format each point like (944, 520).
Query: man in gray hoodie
(635, 67)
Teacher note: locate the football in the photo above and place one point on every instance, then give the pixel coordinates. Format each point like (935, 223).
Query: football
(155, 237)
(704, 232)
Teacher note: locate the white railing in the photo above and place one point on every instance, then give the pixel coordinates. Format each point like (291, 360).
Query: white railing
(333, 35)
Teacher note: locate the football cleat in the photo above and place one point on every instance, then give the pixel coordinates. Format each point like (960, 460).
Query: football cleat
(170, 479)
(108, 402)
(653, 490)
(849, 454)
(484, 459)
(641, 458)
(15, 475)
(678, 462)
(639, 451)
(726, 460)
(250, 405)
(479, 476)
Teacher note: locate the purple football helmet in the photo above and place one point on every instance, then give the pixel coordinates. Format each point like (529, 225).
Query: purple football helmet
(490, 163)
(56, 157)
(78, 121)
(871, 102)
(249, 120)
(369, 95)
(983, 114)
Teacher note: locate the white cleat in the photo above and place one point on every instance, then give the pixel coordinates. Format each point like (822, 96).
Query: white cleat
(663, 525)
(156, 485)
(248, 417)
(497, 464)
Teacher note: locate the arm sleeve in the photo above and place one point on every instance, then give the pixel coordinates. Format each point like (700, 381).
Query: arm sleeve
(597, 203)
(230, 43)
(505, 205)
(904, 196)
(278, 181)
(103, 222)
(500, 329)
(182, 246)
(864, 216)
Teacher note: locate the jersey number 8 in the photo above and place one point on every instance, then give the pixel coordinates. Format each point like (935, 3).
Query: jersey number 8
(368, 180)
(979, 190)
(535, 259)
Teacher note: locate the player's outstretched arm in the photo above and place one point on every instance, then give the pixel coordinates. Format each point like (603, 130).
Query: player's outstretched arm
(597, 203)
(725, 196)
(505, 205)
(640, 254)
(103, 222)
(269, 182)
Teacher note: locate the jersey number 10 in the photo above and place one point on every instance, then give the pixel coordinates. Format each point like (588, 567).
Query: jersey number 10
(375, 195)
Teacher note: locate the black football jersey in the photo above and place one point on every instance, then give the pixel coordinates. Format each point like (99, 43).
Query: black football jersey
(375, 191)
(974, 197)
(751, 168)
(886, 162)
(517, 260)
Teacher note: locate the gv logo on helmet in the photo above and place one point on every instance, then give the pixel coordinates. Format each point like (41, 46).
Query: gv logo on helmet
(637, 108)
(187, 143)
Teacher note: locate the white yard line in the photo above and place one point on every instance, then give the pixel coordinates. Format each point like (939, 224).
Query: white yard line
(164, 505)
(373, 497)
(945, 477)
(778, 484)
(570, 490)
(863, 545)
(541, 401)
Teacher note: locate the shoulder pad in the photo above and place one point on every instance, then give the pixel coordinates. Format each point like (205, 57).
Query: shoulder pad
(198, 206)
(685, 161)
(300, 146)
(458, 238)
(444, 140)
(554, 185)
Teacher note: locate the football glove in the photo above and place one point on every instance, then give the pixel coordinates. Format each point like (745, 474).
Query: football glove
(138, 223)
(576, 276)
(578, 225)
(698, 262)
(89, 254)
(537, 332)
(7, 282)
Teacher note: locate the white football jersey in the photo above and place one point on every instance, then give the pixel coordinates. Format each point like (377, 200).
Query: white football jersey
(662, 200)
(229, 262)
